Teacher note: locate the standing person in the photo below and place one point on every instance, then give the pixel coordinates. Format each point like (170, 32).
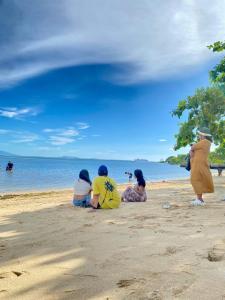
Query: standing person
(105, 194)
(9, 166)
(136, 193)
(130, 175)
(82, 190)
(201, 177)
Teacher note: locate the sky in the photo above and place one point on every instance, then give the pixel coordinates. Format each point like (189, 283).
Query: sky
(99, 79)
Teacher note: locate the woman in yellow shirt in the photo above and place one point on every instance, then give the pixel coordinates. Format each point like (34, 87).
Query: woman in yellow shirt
(201, 177)
(105, 194)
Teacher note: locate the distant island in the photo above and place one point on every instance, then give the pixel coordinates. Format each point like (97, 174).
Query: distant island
(141, 160)
(4, 153)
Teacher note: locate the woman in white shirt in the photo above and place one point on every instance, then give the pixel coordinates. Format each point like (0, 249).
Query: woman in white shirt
(82, 190)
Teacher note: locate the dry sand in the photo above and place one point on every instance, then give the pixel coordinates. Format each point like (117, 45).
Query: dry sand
(51, 250)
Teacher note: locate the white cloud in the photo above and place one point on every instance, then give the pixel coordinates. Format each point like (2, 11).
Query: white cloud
(162, 140)
(4, 131)
(62, 136)
(60, 140)
(82, 125)
(16, 113)
(96, 135)
(67, 132)
(24, 137)
(151, 39)
(48, 130)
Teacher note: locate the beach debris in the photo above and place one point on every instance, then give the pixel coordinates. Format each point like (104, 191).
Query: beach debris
(217, 253)
(17, 273)
(166, 205)
(125, 282)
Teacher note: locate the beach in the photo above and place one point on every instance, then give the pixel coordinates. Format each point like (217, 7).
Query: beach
(52, 251)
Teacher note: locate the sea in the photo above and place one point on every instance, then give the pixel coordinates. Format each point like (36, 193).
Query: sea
(38, 173)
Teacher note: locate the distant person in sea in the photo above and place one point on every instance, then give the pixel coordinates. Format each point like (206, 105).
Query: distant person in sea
(82, 190)
(105, 194)
(201, 177)
(130, 175)
(136, 193)
(9, 166)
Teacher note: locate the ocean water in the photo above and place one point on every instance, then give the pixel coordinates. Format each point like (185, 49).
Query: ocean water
(32, 173)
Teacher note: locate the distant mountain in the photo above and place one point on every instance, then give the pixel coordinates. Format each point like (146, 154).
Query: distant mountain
(141, 160)
(4, 153)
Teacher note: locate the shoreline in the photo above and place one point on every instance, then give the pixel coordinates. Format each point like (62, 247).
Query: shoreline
(60, 190)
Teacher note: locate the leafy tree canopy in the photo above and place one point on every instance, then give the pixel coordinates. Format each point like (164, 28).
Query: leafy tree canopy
(206, 108)
(217, 74)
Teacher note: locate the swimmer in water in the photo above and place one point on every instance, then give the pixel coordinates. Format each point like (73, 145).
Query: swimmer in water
(9, 166)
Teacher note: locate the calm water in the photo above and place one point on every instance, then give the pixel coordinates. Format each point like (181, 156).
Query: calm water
(47, 173)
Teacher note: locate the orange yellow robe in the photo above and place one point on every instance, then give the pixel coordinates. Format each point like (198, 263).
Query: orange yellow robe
(201, 177)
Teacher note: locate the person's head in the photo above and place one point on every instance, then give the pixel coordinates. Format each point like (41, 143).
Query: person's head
(102, 171)
(140, 178)
(204, 133)
(84, 175)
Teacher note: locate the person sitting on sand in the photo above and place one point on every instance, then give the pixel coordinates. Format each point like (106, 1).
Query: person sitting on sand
(105, 194)
(82, 190)
(136, 193)
(201, 177)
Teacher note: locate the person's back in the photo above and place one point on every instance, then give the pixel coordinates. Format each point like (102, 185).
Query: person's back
(81, 187)
(106, 188)
(82, 190)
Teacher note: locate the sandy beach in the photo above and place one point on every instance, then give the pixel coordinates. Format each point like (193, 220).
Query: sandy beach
(51, 250)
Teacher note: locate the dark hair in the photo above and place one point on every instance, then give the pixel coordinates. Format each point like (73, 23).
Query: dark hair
(85, 176)
(102, 171)
(140, 178)
(209, 138)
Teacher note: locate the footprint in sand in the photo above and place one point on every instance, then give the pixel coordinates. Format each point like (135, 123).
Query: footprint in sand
(142, 295)
(11, 274)
(123, 283)
(217, 253)
(155, 295)
(171, 250)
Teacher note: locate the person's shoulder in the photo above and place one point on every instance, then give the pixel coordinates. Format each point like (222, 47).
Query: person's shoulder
(96, 179)
(112, 180)
(76, 182)
(84, 182)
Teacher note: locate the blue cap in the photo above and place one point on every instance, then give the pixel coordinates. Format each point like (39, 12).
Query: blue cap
(102, 171)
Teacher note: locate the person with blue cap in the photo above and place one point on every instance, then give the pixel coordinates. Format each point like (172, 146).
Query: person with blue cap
(105, 194)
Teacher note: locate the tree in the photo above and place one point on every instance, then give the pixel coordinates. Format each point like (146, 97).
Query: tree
(206, 108)
(217, 75)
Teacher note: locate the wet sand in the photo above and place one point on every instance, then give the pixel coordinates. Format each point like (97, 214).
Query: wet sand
(51, 250)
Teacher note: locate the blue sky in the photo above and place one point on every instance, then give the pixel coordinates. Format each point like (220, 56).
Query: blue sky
(96, 79)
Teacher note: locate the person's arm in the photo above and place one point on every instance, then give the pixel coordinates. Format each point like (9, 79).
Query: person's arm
(96, 195)
(94, 201)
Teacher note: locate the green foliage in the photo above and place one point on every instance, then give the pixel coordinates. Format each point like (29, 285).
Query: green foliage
(217, 75)
(217, 46)
(214, 158)
(205, 109)
(176, 160)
